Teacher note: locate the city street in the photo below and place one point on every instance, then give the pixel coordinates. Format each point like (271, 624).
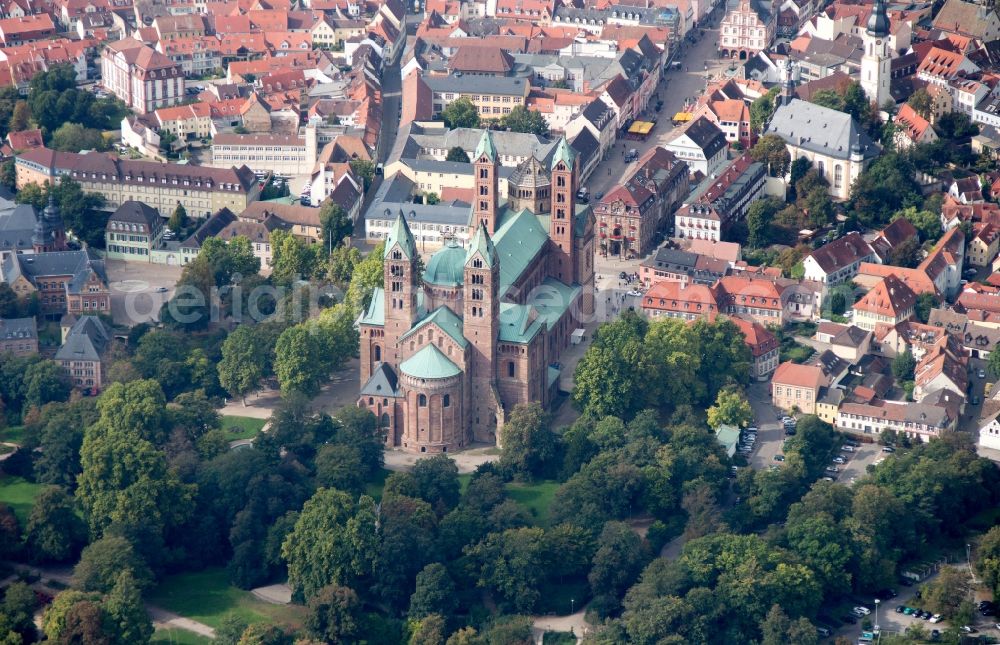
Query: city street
(770, 433)
(676, 88)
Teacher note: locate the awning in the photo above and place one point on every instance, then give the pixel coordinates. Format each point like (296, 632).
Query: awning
(640, 127)
(682, 116)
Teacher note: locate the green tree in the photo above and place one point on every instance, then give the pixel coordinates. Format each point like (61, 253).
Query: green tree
(20, 118)
(522, 119)
(54, 533)
(8, 174)
(335, 223)
(364, 170)
(432, 479)
(903, 366)
(129, 622)
(619, 559)
(10, 533)
(295, 361)
(777, 629)
(103, 560)
(993, 365)
(770, 150)
(947, 591)
(263, 634)
(125, 483)
(606, 375)
(45, 381)
(885, 187)
(86, 622)
(17, 613)
(906, 254)
(529, 447)
(333, 542)
(921, 102)
(242, 366)
(333, 614)
(927, 223)
(460, 113)
(342, 263)
(230, 631)
(434, 593)
(368, 275)
(179, 219)
(457, 154)
(429, 631)
(925, 303)
(988, 561)
(829, 99)
(731, 408)
(759, 218)
(762, 109)
(512, 565)
(72, 137)
(292, 258)
(407, 525)
(54, 620)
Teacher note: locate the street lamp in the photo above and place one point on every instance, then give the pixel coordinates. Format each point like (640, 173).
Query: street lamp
(877, 601)
(572, 605)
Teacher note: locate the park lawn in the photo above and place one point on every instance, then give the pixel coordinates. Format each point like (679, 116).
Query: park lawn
(207, 597)
(20, 495)
(536, 498)
(463, 482)
(375, 486)
(242, 427)
(178, 637)
(13, 434)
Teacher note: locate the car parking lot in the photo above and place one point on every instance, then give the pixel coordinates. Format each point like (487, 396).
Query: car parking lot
(892, 621)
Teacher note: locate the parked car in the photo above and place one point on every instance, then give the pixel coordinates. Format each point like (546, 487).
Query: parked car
(779, 457)
(936, 618)
(863, 610)
(832, 469)
(839, 460)
(968, 630)
(888, 449)
(825, 632)
(981, 373)
(935, 634)
(847, 448)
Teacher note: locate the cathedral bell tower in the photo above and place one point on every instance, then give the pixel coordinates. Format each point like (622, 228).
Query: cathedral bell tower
(563, 213)
(481, 326)
(877, 59)
(486, 168)
(401, 285)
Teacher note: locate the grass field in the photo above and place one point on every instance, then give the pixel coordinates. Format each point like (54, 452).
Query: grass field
(13, 434)
(207, 597)
(242, 427)
(374, 487)
(20, 495)
(558, 638)
(537, 498)
(178, 637)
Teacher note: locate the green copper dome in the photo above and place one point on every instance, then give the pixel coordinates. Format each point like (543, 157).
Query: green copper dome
(445, 267)
(429, 363)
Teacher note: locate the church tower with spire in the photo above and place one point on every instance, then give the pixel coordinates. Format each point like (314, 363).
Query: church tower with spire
(877, 59)
(562, 222)
(481, 326)
(401, 286)
(49, 233)
(487, 171)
